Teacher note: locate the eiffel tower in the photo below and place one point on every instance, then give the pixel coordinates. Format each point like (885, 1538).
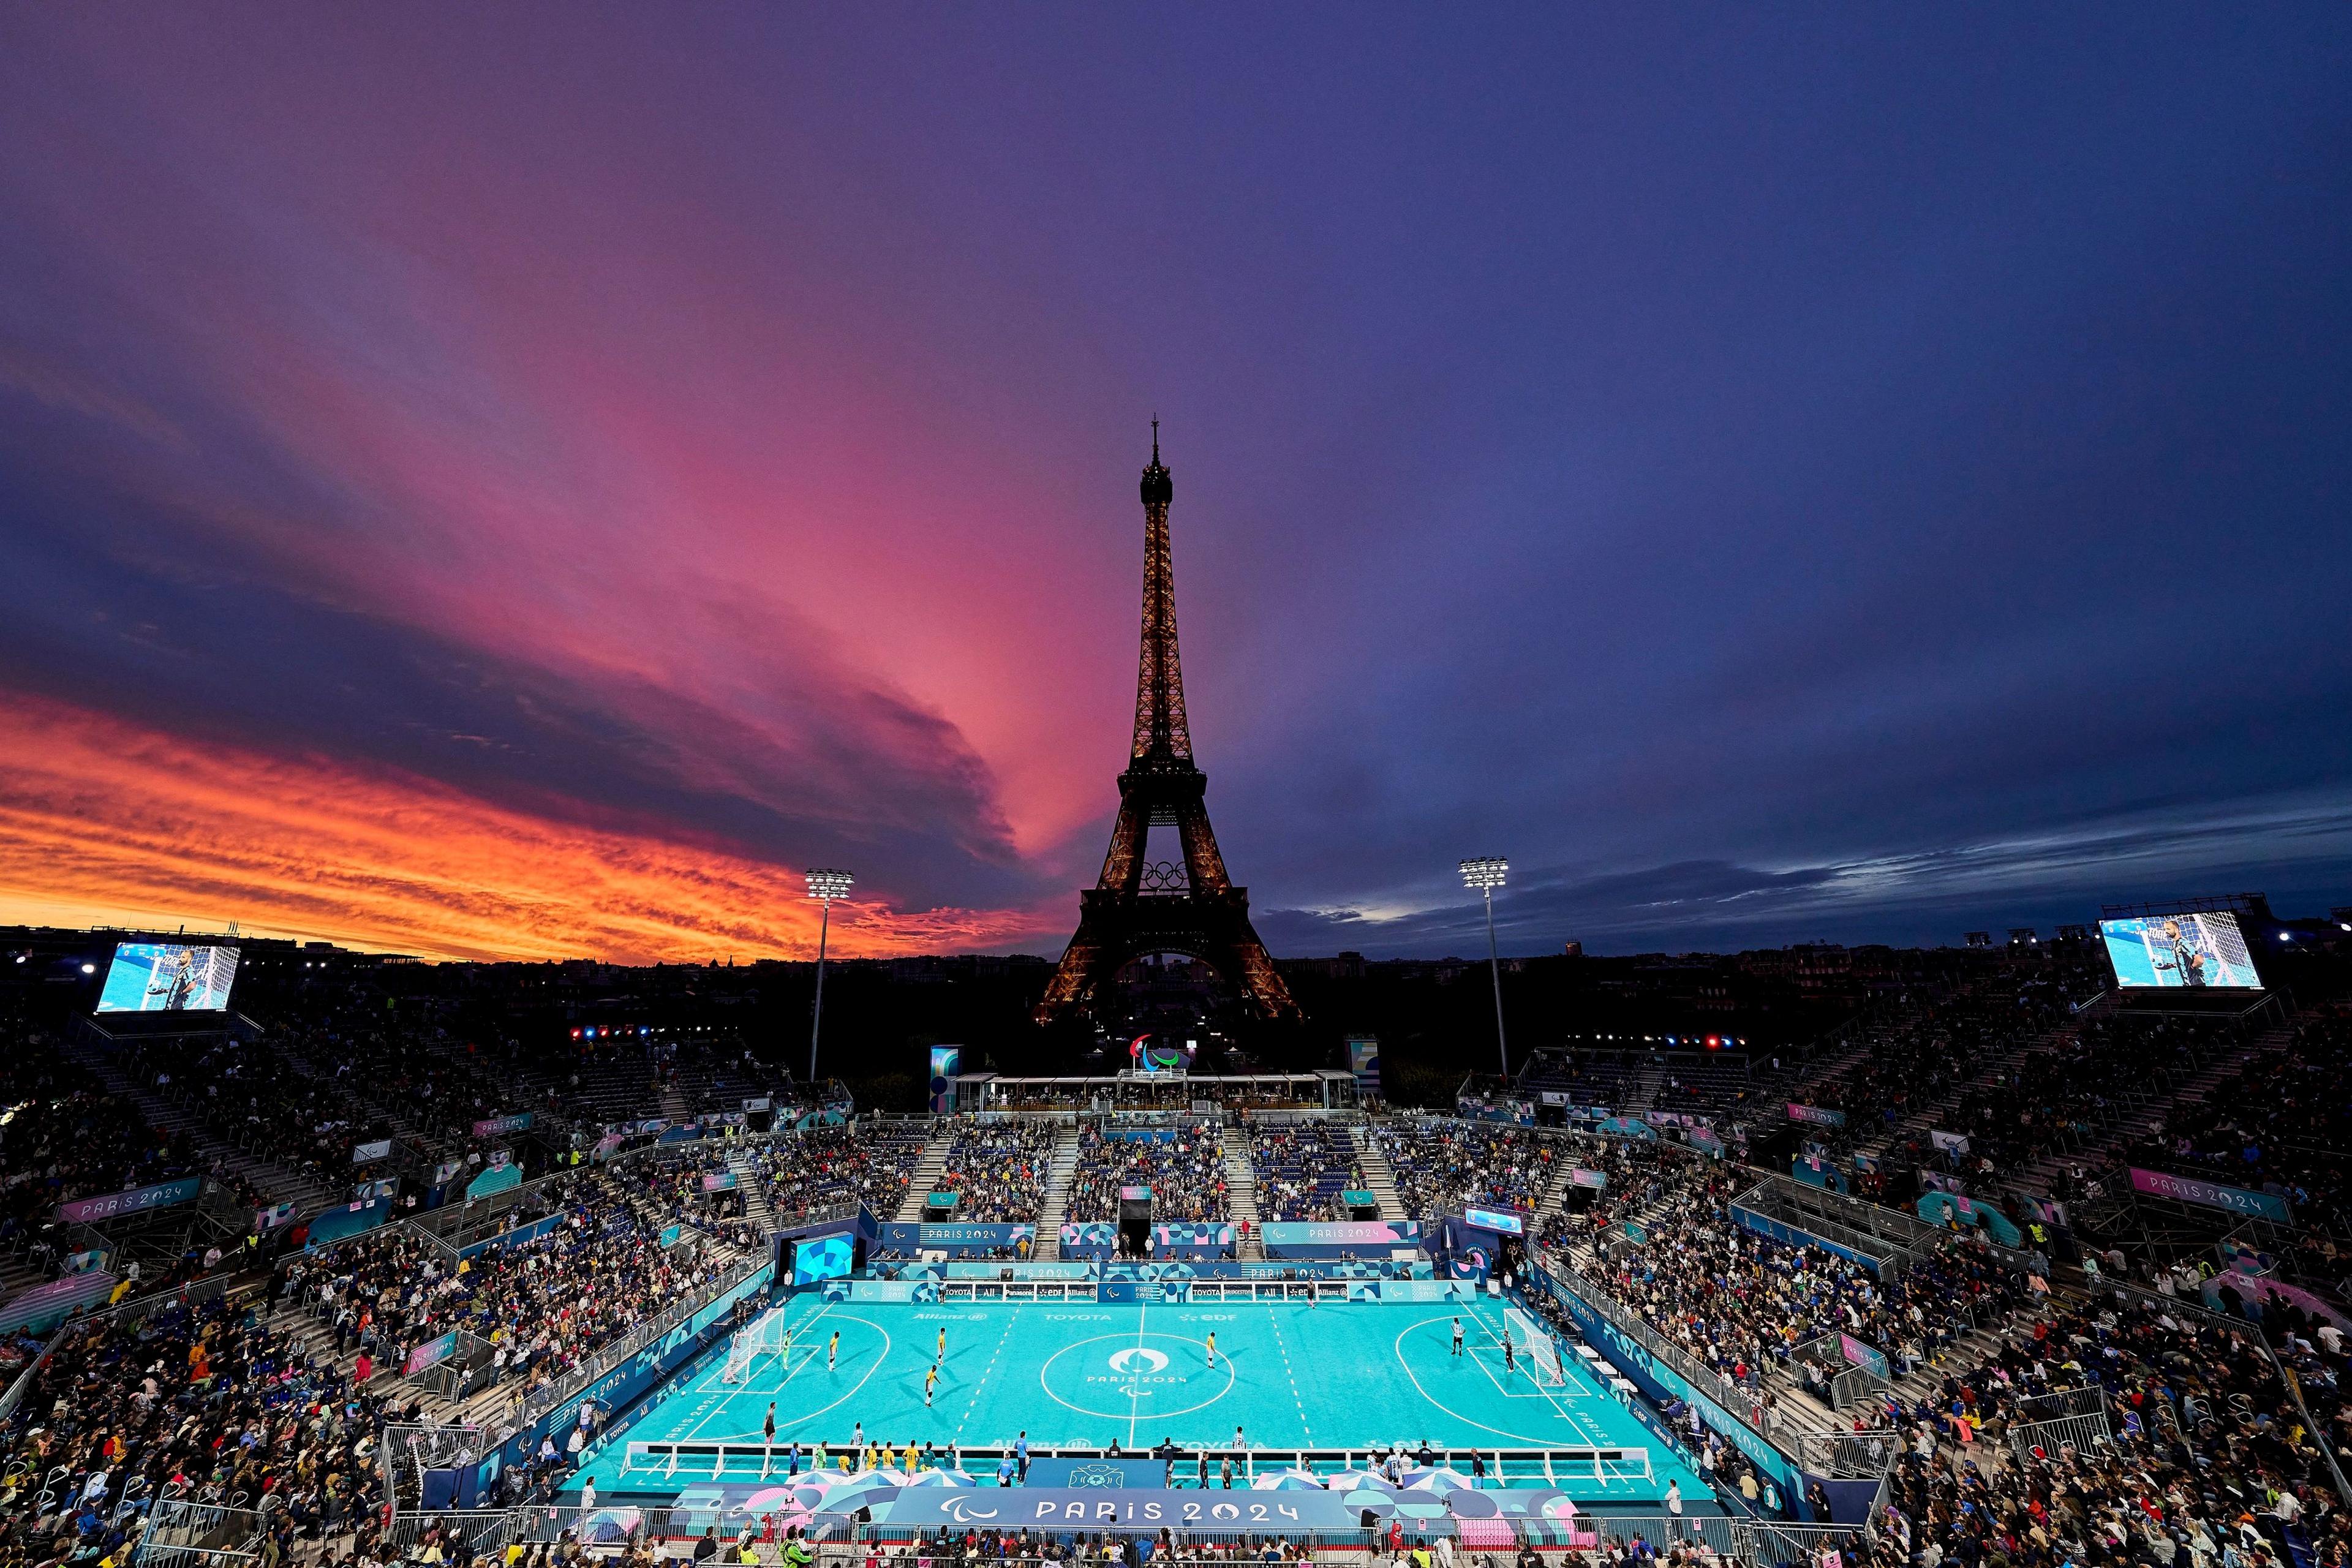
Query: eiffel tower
(1136, 907)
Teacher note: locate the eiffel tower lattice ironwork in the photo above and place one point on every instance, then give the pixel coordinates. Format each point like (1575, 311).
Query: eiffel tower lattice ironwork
(1190, 907)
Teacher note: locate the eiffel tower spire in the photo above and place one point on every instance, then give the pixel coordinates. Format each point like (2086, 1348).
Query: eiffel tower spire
(1133, 907)
(1161, 734)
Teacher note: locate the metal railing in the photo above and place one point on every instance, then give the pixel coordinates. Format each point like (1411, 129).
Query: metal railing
(1861, 1455)
(485, 1531)
(1769, 1544)
(2044, 1440)
(182, 1533)
(712, 1460)
(2062, 1402)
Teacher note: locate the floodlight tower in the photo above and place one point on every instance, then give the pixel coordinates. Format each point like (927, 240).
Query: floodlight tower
(1486, 875)
(823, 885)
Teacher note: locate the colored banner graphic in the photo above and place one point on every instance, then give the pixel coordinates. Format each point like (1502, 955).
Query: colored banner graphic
(496, 1126)
(1816, 1171)
(1820, 1116)
(44, 1306)
(1503, 1222)
(1478, 1108)
(2211, 1194)
(1952, 1210)
(2272, 1296)
(1191, 1237)
(1364, 1061)
(1578, 1176)
(1324, 1239)
(718, 1181)
(269, 1219)
(333, 1225)
(1128, 1510)
(1626, 1127)
(946, 1062)
(1867, 1357)
(432, 1352)
(957, 1240)
(137, 1200)
(1092, 1235)
(496, 1179)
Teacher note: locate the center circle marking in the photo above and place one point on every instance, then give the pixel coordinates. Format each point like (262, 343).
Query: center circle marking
(1131, 1374)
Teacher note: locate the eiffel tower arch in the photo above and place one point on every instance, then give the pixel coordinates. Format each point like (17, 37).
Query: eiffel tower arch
(1186, 906)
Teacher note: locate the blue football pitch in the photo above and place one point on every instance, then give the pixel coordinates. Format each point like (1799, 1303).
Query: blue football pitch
(1086, 1374)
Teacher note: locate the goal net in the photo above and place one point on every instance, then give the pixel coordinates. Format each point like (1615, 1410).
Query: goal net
(766, 1334)
(1537, 1348)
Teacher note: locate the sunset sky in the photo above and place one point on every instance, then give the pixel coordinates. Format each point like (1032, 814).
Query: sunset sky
(531, 479)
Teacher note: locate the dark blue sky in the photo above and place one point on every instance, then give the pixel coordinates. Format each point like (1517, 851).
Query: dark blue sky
(532, 480)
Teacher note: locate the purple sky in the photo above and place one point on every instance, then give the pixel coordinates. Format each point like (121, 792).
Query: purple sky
(531, 478)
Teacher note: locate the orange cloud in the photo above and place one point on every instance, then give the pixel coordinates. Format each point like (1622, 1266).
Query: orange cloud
(102, 822)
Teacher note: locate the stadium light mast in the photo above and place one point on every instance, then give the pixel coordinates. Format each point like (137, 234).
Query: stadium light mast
(823, 885)
(1486, 875)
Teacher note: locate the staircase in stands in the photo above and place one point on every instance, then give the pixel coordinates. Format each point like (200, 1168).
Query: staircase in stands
(1241, 1188)
(1380, 1180)
(1048, 1246)
(1983, 1074)
(928, 1168)
(271, 1180)
(754, 1188)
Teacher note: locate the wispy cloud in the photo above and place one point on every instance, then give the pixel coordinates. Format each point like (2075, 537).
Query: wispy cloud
(102, 821)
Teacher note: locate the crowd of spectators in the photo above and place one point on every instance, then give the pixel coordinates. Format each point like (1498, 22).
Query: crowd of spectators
(1184, 1166)
(202, 1401)
(2209, 1461)
(827, 1166)
(1301, 1170)
(254, 1099)
(63, 1137)
(997, 1169)
(401, 1060)
(545, 1304)
(2280, 1124)
(1743, 1303)
(1441, 1165)
(2068, 1097)
(692, 1185)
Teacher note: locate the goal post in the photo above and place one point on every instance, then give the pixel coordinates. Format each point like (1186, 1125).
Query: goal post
(1537, 1348)
(767, 1334)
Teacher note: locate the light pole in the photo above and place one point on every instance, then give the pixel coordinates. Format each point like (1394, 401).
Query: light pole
(1486, 875)
(823, 885)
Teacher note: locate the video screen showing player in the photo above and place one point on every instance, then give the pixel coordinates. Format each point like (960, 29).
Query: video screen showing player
(2193, 952)
(168, 977)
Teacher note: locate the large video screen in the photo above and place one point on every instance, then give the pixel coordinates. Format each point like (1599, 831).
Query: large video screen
(167, 977)
(821, 1258)
(2199, 952)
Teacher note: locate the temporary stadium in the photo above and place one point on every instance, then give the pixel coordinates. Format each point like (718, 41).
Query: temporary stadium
(2012, 1242)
